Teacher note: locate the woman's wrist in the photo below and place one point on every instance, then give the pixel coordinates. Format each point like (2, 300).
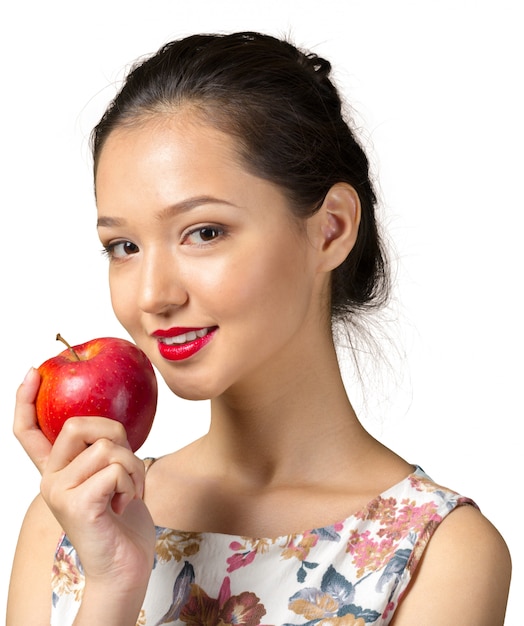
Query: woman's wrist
(103, 604)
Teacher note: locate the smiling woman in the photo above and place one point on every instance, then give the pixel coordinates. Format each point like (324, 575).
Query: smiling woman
(238, 215)
(218, 286)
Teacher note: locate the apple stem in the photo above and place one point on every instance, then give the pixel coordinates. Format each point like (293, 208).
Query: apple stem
(60, 338)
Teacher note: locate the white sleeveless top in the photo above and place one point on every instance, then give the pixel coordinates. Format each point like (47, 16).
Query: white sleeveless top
(351, 573)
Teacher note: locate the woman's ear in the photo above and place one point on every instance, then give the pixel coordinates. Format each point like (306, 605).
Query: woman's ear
(336, 225)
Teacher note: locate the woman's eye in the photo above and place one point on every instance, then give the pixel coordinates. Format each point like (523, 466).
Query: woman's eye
(203, 235)
(120, 249)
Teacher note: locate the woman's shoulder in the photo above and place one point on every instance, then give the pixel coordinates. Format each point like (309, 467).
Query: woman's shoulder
(171, 489)
(173, 463)
(418, 487)
(465, 552)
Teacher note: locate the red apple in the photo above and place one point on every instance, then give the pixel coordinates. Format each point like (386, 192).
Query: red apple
(107, 377)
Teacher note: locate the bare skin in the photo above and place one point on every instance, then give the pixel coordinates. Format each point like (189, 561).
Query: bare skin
(285, 451)
(466, 552)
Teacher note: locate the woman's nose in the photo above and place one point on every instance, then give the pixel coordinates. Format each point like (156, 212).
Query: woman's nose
(161, 284)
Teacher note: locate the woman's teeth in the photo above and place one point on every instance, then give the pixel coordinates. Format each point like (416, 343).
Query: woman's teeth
(185, 337)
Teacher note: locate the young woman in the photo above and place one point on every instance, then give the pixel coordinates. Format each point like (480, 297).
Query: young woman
(236, 209)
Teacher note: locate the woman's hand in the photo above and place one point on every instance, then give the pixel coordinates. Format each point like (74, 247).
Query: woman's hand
(25, 426)
(93, 484)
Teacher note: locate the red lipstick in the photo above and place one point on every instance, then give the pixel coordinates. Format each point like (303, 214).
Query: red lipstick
(177, 344)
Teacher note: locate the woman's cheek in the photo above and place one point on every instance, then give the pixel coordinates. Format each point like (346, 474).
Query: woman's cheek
(124, 303)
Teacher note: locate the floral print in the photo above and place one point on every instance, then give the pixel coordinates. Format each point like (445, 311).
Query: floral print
(332, 603)
(175, 545)
(201, 610)
(67, 576)
(245, 552)
(352, 573)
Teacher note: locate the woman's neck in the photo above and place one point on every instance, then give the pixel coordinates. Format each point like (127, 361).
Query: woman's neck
(285, 431)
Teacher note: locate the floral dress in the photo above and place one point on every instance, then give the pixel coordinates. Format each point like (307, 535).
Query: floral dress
(351, 573)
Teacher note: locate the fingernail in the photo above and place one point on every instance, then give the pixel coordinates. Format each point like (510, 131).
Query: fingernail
(29, 373)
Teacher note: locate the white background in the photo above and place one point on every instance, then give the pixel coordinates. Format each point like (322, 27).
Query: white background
(437, 86)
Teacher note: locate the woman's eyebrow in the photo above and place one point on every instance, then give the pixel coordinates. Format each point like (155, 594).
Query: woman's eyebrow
(169, 211)
(188, 204)
(109, 221)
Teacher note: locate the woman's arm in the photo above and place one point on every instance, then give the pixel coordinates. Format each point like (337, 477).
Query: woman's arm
(29, 598)
(463, 577)
(91, 487)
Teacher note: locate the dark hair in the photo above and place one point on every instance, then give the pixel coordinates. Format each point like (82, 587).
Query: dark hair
(286, 115)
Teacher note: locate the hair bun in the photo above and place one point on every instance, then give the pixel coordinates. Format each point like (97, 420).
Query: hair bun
(321, 66)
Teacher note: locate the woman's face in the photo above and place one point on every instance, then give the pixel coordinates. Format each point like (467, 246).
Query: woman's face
(209, 272)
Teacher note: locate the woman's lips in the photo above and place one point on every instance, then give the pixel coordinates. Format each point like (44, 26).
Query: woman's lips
(177, 344)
